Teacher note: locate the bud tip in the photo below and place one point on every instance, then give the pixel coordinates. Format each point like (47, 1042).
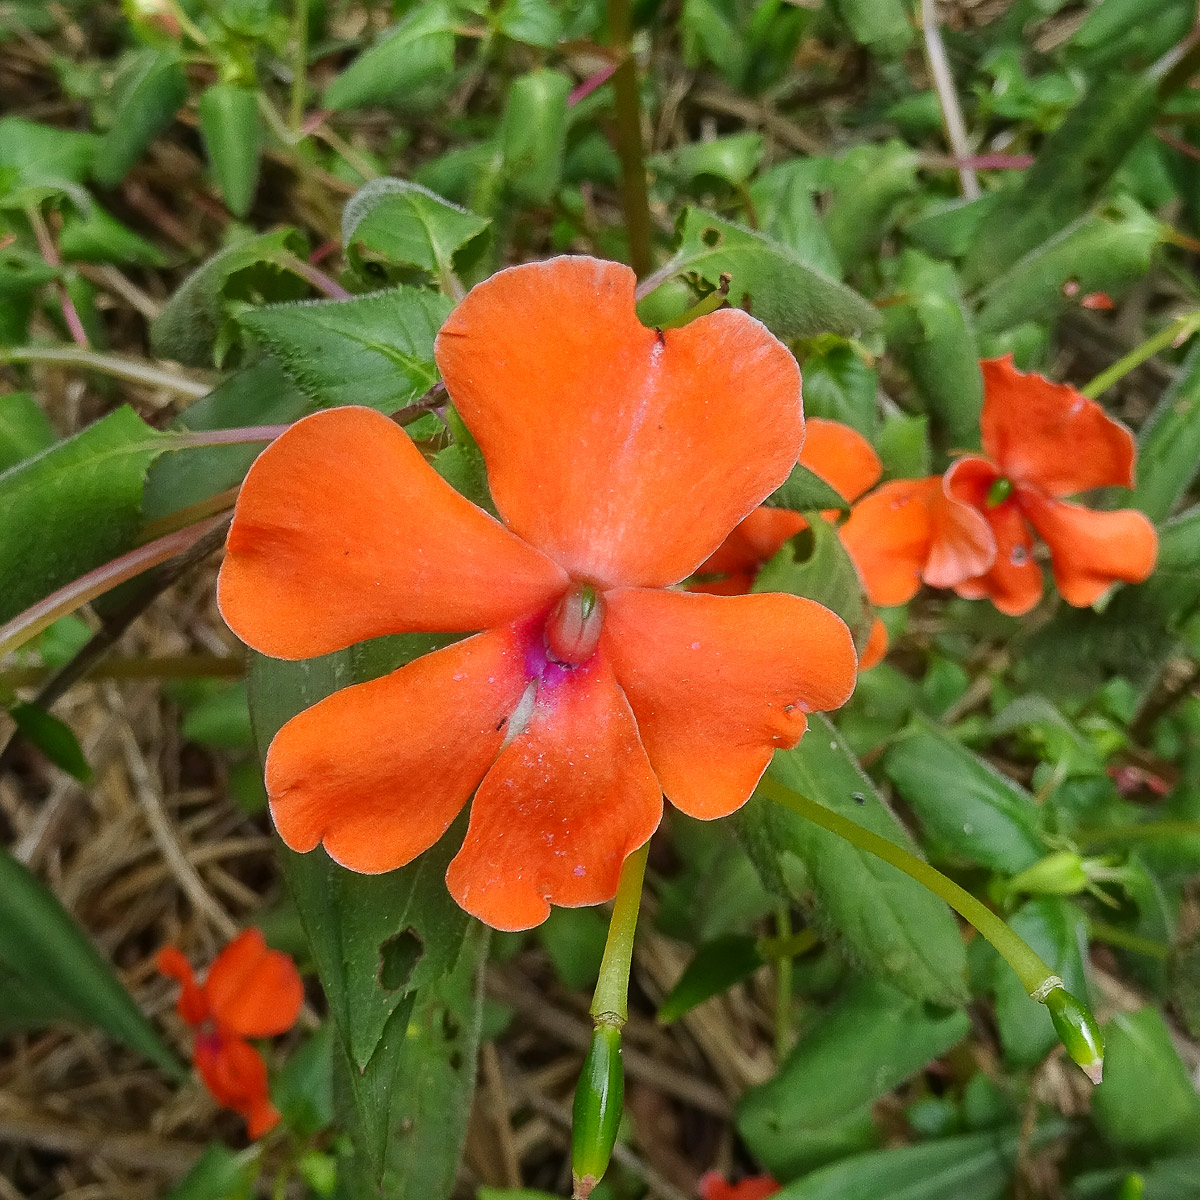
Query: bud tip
(582, 1188)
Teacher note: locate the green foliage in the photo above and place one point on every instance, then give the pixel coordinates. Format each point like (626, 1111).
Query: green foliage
(229, 124)
(149, 89)
(25, 430)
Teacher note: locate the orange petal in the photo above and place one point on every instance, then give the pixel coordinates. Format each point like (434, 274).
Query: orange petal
(562, 808)
(234, 1072)
(1013, 581)
(718, 683)
(1047, 434)
(378, 771)
(625, 454)
(755, 540)
(888, 535)
(1089, 550)
(963, 544)
(841, 456)
(875, 651)
(252, 991)
(343, 532)
(192, 1005)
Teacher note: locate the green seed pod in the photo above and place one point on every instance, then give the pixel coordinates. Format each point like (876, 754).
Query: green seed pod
(1078, 1031)
(1062, 873)
(599, 1100)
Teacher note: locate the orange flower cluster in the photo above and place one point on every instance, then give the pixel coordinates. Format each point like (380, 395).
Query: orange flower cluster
(619, 459)
(250, 992)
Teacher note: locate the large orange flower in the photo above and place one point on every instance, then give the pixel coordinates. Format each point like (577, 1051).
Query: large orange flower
(1044, 441)
(250, 992)
(619, 458)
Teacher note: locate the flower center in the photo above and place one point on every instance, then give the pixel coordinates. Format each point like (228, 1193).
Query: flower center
(1000, 491)
(573, 630)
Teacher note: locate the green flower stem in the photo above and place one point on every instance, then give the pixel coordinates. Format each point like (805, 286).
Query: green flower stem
(1178, 331)
(299, 63)
(634, 196)
(1033, 973)
(131, 369)
(162, 666)
(783, 986)
(1114, 935)
(1138, 833)
(610, 1003)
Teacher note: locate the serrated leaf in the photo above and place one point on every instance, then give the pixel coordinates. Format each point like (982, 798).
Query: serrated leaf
(889, 922)
(963, 802)
(98, 472)
(375, 350)
(188, 328)
(408, 225)
(407, 68)
(792, 299)
(818, 1107)
(41, 943)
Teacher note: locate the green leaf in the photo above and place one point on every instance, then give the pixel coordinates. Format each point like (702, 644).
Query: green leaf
(574, 939)
(715, 968)
(190, 326)
(805, 491)
(732, 159)
(1074, 164)
(869, 183)
(408, 225)
(303, 1088)
(533, 134)
(41, 943)
(783, 200)
(148, 91)
(904, 447)
(839, 386)
(1169, 443)
(229, 125)
(534, 22)
(95, 236)
(972, 1166)
(409, 68)
(98, 472)
(939, 346)
(1056, 928)
(25, 430)
(790, 298)
(375, 350)
(220, 720)
(964, 803)
(53, 738)
(1101, 252)
(1147, 1104)
(37, 161)
(220, 1174)
(890, 923)
(815, 564)
(883, 26)
(818, 1107)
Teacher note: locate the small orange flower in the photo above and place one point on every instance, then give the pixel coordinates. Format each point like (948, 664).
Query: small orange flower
(250, 992)
(619, 458)
(911, 531)
(714, 1186)
(1044, 441)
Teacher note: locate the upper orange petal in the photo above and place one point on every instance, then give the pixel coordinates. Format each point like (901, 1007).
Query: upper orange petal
(624, 453)
(963, 544)
(841, 456)
(236, 1075)
(192, 1005)
(718, 683)
(875, 651)
(379, 771)
(1089, 550)
(253, 991)
(567, 801)
(343, 532)
(888, 536)
(1047, 434)
(1012, 581)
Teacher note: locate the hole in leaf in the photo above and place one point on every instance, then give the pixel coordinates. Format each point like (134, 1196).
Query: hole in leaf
(398, 957)
(712, 236)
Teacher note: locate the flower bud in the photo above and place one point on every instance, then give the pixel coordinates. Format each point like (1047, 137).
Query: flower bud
(1062, 873)
(1078, 1031)
(999, 492)
(599, 1100)
(573, 630)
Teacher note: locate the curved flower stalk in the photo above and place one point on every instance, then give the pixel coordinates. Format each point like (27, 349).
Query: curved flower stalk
(619, 458)
(249, 992)
(1044, 441)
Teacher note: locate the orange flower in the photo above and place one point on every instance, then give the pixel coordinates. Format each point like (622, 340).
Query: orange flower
(619, 458)
(911, 531)
(1044, 441)
(250, 992)
(714, 1186)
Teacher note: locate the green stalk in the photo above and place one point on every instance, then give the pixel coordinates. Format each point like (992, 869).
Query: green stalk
(783, 986)
(1178, 331)
(1073, 1021)
(1138, 833)
(627, 104)
(299, 64)
(610, 1003)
